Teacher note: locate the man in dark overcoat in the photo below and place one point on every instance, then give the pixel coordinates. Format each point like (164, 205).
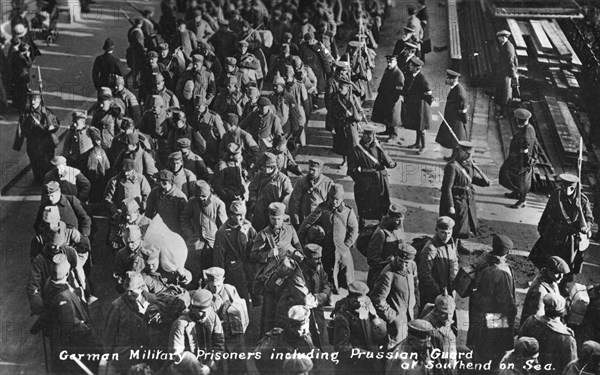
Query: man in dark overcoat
(417, 102)
(516, 171)
(492, 307)
(455, 114)
(386, 108)
(106, 65)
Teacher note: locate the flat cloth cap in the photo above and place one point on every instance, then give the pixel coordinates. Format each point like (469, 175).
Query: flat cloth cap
(372, 128)
(157, 100)
(445, 222)
(202, 298)
(133, 280)
(298, 314)
(165, 175)
(263, 102)
(269, 160)
(58, 160)
(420, 328)
(152, 55)
(202, 187)
(501, 245)
(51, 215)
(568, 178)
(131, 206)
(79, 114)
(397, 209)
(60, 267)
(158, 78)
(315, 163)
(105, 93)
(243, 43)
(234, 149)
(503, 33)
(51, 187)
(299, 365)
(279, 81)
(391, 57)
(276, 209)
(336, 191)
(411, 45)
(214, 273)
(223, 22)
(237, 207)
(522, 114)
(313, 250)
(554, 302)
(358, 287)
(557, 264)
(231, 61)
(466, 144)
(416, 61)
(452, 74)
(56, 237)
(527, 347)
(231, 119)
(406, 251)
(184, 143)
(177, 155)
(198, 58)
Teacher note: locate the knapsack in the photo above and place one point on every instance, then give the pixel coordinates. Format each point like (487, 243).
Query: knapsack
(362, 243)
(273, 275)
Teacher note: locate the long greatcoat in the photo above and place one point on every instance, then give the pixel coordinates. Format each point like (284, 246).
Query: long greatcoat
(396, 298)
(458, 192)
(517, 169)
(505, 71)
(264, 190)
(495, 293)
(306, 196)
(386, 109)
(455, 114)
(371, 184)
(417, 102)
(558, 229)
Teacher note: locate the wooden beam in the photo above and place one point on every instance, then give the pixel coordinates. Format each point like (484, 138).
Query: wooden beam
(517, 35)
(540, 35)
(555, 38)
(574, 58)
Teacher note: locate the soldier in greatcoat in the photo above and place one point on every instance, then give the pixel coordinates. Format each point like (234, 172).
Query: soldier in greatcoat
(516, 171)
(233, 242)
(368, 168)
(458, 195)
(563, 225)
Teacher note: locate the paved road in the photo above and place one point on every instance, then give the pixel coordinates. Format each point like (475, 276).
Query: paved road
(415, 181)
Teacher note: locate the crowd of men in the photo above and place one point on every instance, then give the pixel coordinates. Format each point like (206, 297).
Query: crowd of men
(190, 150)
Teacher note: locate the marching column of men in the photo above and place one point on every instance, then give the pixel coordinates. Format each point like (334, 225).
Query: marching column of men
(186, 147)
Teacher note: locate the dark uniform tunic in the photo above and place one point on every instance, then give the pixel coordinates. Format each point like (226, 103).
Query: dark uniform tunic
(344, 114)
(558, 228)
(41, 141)
(417, 102)
(232, 247)
(516, 171)
(455, 114)
(458, 192)
(371, 184)
(386, 108)
(104, 66)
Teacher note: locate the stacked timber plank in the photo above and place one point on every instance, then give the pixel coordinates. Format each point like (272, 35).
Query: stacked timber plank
(536, 9)
(478, 39)
(454, 36)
